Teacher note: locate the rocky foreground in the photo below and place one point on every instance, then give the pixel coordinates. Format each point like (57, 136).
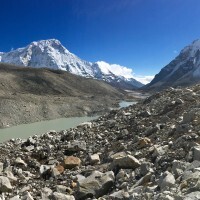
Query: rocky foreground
(146, 151)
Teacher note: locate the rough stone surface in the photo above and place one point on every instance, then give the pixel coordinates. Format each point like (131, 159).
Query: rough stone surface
(166, 181)
(95, 185)
(126, 162)
(94, 159)
(150, 157)
(5, 185)
(71, 162)
(60, 196)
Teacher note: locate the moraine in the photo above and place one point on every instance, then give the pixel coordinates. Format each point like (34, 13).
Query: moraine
(27, 130)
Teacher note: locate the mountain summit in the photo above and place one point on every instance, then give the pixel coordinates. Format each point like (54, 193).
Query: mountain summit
(183, 70)
(52, 54)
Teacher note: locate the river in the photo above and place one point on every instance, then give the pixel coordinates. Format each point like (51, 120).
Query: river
(26, 130)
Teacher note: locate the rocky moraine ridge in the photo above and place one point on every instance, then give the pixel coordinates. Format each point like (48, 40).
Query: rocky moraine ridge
(146, 151)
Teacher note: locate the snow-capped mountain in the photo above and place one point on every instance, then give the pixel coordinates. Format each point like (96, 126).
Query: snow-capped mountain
(113, 78)
(52, 54)
(183, 70)
(48, 53)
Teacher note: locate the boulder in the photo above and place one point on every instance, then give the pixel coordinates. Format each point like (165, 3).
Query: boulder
(5, 185)
(94, 159)
(16, 198)
(27, 196)
(20, 162)
(1, 167)
(76, 145)
(178, 167)
(145, 168)
(126, 162)
(166, 181)
(188, 116)
(61, 196)
(46, 193)
(95, 185)
(119, 195)
(160, 150)
(192, 196)
(196, 153)
(71, 162)
(61, 189)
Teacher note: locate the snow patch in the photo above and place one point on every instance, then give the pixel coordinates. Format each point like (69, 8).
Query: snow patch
(192, 48)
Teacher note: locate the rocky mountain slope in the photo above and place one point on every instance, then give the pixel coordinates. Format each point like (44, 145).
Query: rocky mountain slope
(41, 94)
(147, 151)
(52, 54)
(184, 70)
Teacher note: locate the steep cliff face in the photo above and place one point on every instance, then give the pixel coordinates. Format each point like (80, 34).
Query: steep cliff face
(183, 70)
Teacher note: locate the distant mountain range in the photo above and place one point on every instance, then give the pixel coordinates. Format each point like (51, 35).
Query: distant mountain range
(52, 54)
(184, 70)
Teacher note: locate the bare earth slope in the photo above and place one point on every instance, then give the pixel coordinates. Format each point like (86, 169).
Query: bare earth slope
(28, 95)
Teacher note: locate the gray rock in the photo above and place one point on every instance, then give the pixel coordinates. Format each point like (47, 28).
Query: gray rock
(190, 175)
(15, 198)
(144, 180)
(29, 148)
(11, 177)
(5, 185)
(178, 167)
(76, 146)
(160, 150)
(46, 193)
(166, 181)
(165, 197)
(25, 189)
(196, 153)
(19, 161)
(192, 196)
(126, 162)
(94, 159)
(145, 168)
(27, 196)
(95, 185)
(121, 194)
(137, 189)
(188, 117)
(1, 167)
(61, 189)
(60, 196)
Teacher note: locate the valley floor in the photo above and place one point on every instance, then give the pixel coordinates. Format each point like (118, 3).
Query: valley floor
(18, 109)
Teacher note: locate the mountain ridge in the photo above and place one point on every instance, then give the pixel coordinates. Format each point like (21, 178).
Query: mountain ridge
(184, 70)
(52, 54)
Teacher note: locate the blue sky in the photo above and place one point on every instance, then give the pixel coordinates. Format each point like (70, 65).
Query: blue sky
(144, 35)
